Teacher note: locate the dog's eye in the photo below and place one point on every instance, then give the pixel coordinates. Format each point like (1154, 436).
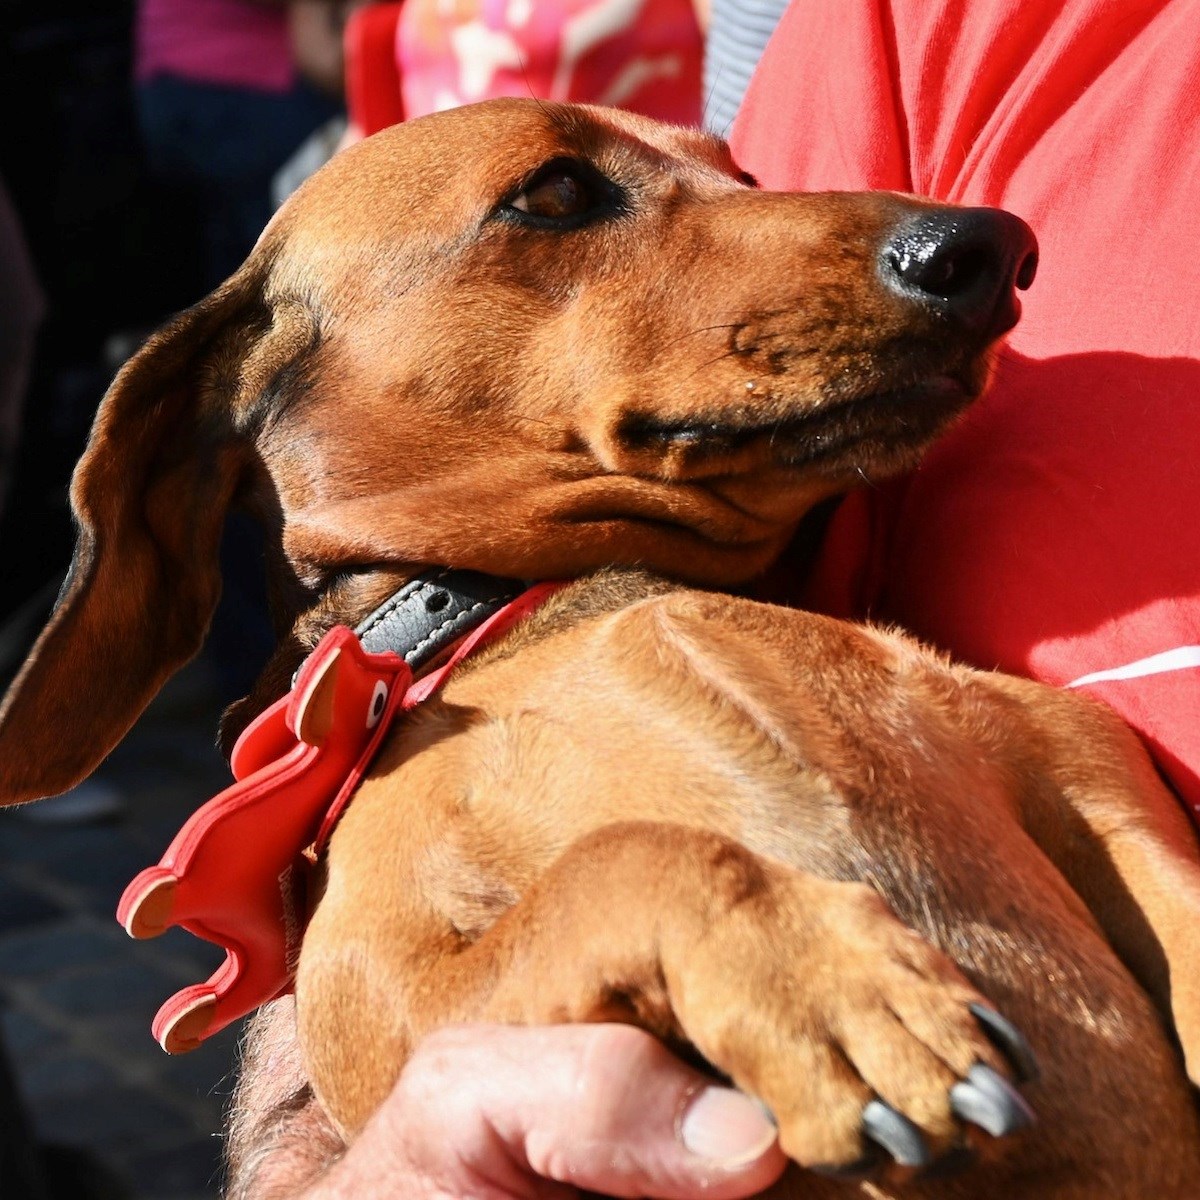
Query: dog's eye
(556, 195)
(562, 194)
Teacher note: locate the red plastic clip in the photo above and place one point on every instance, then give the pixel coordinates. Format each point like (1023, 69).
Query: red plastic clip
(235, 873)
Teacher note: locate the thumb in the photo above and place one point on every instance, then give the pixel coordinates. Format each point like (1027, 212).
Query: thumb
(603, 1108)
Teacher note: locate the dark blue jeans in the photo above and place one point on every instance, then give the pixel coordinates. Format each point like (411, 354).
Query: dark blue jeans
(214, 149)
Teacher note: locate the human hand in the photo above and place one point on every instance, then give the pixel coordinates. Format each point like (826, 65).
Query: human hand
(507, 1112)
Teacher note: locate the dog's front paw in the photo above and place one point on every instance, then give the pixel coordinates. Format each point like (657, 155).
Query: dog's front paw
(865, 1042)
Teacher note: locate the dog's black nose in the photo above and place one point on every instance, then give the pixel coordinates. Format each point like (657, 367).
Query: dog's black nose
(965, 262)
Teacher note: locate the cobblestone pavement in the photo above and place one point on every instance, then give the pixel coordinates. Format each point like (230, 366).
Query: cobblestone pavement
(77, 995)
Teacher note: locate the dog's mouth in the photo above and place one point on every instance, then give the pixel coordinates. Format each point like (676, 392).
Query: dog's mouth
(874, 432)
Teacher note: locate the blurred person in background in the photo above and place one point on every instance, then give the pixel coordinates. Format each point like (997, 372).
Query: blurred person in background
(644, 56)
(221, 105)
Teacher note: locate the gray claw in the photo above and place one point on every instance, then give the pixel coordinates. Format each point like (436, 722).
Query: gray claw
(988, 1100)
(896, 1134)
(1005, 1036)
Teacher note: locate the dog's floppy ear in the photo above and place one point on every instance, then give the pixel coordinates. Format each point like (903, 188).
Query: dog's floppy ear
(150, 495)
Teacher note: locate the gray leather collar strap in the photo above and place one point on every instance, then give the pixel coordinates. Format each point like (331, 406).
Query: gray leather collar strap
(433, 611)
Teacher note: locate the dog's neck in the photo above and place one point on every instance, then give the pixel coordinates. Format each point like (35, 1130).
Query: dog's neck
(353, 597)
(413, 612)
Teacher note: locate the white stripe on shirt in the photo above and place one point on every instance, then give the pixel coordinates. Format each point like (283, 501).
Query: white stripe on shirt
(1181, 658)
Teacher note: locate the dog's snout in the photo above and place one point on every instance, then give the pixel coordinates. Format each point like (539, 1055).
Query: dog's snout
(966, 262)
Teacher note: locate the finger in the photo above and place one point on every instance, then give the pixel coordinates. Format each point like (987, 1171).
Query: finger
(604, 1108)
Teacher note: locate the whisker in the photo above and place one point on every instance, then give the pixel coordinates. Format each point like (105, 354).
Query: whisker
(712, 362)
(709, 98)
(528, 86)
(710, 328)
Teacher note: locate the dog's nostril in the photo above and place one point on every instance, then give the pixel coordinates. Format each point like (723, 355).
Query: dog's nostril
(945, 272)
(964, 263)
(1027, 270)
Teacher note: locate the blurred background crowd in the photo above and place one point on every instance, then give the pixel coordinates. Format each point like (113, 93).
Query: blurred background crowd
(147, 144)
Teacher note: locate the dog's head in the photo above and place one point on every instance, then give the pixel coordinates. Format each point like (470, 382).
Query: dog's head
(527, 339)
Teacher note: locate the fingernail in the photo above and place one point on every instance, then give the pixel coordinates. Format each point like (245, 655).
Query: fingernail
(726, 1127)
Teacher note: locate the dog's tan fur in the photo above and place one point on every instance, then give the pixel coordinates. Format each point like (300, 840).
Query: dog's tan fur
(796, 846)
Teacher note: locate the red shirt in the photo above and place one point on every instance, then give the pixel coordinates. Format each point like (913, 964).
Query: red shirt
(1056, 532)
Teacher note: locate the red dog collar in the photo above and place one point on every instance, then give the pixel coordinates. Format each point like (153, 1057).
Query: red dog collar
(234, 875)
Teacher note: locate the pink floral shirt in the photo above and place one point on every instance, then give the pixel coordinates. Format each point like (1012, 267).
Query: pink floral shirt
(644, 55)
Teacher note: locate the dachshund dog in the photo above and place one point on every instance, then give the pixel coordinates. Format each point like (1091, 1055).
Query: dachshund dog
(542, 341)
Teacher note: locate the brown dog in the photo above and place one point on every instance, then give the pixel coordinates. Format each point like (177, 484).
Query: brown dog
(534, 341)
